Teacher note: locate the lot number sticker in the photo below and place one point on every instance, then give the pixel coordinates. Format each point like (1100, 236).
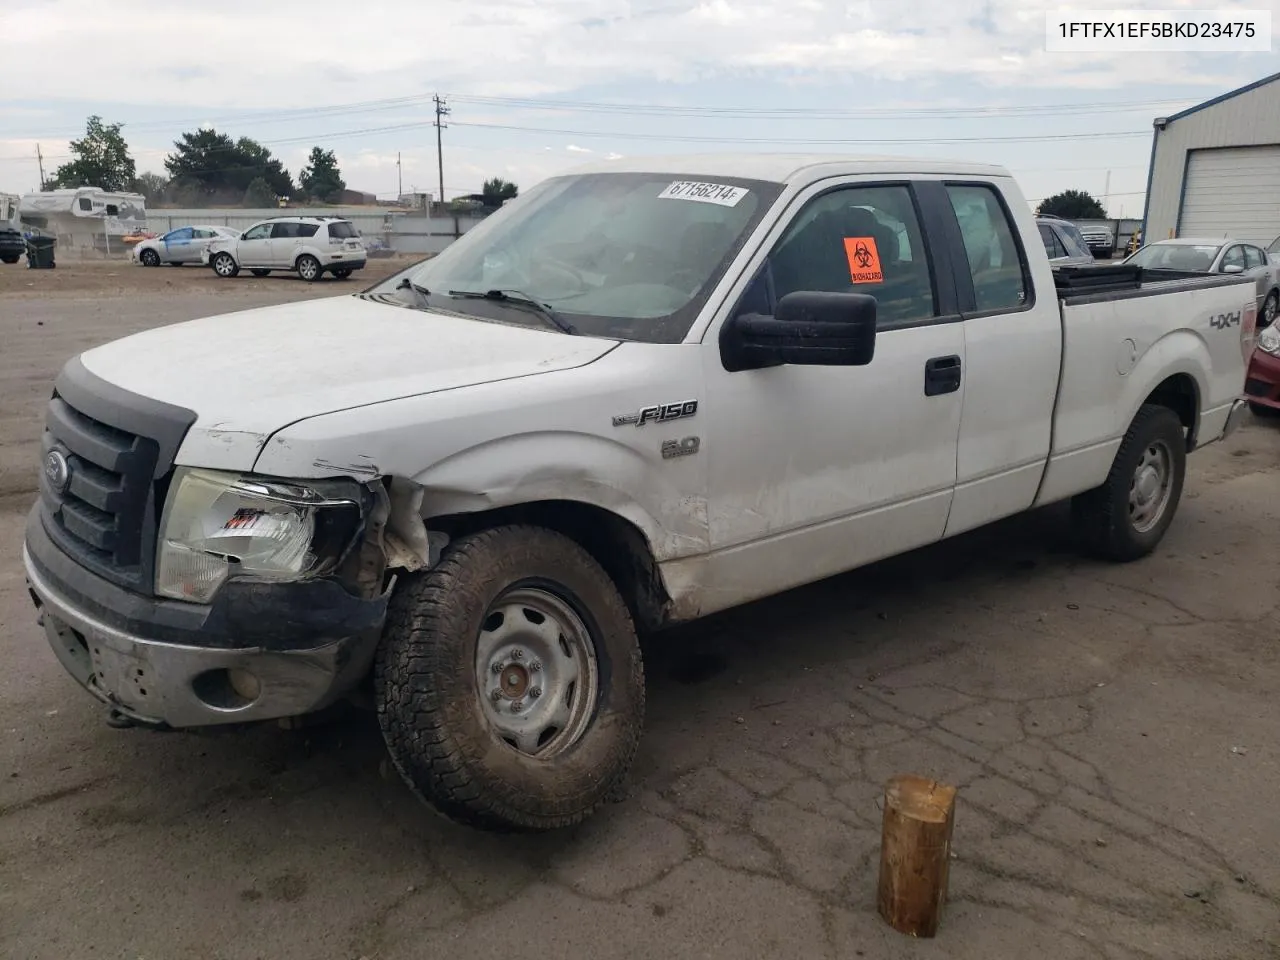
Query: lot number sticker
(864, 260)
(718, 193)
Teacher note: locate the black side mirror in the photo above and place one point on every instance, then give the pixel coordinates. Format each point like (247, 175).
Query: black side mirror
(811, 328)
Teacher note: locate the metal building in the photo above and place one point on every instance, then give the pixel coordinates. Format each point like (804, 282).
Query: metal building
(1215, 168)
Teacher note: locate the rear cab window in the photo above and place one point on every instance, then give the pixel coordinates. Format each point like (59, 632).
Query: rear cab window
(343, 230)
(997, 265)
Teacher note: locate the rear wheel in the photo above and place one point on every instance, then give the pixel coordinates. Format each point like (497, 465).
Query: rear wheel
(258, 272)
(1269, 309)
(308, 268)
(149, 258)
(342, 273)
(509, 684)
(10, 257)
(1126, 517)
(224, 265)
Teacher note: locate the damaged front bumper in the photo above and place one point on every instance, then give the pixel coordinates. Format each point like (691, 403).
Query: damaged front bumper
(260, 651)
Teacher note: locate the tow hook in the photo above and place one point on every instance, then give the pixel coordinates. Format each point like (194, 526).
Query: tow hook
(118, 720)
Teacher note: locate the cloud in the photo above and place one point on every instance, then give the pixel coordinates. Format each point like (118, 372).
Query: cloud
(534, 47)
(574, 148)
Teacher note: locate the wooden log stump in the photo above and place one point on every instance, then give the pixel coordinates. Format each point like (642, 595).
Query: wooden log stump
(915, 853)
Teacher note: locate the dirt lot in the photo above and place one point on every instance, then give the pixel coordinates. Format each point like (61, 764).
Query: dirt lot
(1113, 731)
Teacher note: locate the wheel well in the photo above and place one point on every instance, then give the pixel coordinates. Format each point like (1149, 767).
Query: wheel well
(618, 545)
(1181, 395)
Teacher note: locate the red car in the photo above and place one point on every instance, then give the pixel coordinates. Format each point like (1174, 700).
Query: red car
(1262, 386)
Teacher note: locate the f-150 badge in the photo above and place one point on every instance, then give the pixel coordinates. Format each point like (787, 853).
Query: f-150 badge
(658, 413)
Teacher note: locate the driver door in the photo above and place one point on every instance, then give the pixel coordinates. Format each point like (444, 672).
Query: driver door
(177, 245)
(254, 248)
(815, 470)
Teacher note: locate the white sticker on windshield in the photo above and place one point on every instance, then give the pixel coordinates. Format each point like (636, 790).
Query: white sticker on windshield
(720, 193)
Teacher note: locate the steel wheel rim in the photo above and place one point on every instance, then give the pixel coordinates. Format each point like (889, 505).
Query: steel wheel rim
(308, 269)
(537, 677)
(1151, 486)
(222, 265)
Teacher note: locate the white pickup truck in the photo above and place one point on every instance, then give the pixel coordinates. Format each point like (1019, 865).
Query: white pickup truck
(638, 394)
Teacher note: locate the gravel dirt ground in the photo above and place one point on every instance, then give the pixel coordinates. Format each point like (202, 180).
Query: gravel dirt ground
(1112, 730)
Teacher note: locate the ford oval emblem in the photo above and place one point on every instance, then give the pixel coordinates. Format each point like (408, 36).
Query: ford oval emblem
(57, 470)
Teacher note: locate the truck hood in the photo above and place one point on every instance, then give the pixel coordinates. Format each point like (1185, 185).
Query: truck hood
(247, 374)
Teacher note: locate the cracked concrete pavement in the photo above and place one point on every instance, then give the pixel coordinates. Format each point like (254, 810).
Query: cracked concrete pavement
(1112, 730)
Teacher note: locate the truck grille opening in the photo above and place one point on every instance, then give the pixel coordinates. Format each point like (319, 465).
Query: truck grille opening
(102, 513)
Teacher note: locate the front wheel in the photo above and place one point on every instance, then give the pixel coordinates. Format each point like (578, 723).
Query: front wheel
(149, 258)
(308, 268)
(224, 265)
(509, 683)
(1126, 517)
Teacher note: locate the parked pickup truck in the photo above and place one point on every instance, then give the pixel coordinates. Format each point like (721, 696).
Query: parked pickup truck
(636, 395)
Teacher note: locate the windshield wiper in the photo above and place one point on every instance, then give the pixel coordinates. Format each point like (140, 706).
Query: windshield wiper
(523, 299)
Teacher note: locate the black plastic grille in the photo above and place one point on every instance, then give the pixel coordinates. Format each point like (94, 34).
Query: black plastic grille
(104, 515)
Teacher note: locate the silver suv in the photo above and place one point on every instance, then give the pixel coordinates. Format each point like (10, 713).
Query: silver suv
(1063, 242)
(309, 246)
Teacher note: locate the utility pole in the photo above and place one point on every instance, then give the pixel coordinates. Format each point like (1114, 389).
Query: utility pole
(399, 178)
(40, 164)
(442, 111)
(1106, 195)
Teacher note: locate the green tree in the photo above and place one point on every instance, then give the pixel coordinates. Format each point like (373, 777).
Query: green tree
(101, 159)
(213, 166)
(321, 178)
(152, 186)
(259, 194)
(496, 190)
(1073, 205)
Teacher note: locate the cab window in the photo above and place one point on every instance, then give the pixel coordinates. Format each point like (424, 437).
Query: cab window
(261, 232)
(1000, 275)
(859, 239)
(1233, 258)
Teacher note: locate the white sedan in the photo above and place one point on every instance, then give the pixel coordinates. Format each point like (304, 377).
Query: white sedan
(1219, 256)
(183, 245)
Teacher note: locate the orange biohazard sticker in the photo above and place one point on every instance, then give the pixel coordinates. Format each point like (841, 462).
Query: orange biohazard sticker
(864, 260)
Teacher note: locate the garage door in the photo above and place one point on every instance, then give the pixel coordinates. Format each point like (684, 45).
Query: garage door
(1232, 192)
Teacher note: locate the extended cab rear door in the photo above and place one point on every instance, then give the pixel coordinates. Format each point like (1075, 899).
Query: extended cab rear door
(1012, 342)
(813, 470)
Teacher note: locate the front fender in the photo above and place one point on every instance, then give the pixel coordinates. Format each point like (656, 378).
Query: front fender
(562, 465)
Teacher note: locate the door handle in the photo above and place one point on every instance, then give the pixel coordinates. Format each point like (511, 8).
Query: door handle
(941, 375)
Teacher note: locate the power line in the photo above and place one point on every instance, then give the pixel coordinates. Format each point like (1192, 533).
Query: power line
(818, 113)
(689, 138)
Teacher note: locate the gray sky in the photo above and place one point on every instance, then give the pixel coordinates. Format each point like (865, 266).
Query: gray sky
(537, 86)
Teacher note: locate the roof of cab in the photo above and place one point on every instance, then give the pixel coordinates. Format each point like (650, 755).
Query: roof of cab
(789, 167)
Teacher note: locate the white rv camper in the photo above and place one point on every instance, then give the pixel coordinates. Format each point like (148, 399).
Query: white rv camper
(85, 217)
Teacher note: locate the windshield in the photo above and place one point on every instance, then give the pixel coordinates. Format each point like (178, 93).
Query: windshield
(1175, 256)
(626, 255)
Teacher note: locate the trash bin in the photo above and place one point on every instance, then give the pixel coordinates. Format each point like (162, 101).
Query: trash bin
(40, 253)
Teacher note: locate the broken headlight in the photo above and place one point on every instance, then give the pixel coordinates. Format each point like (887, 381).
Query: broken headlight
(1269, 341)
(220, 525)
